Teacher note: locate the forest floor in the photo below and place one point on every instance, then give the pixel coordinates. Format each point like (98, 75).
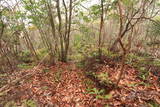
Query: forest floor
(65, 85)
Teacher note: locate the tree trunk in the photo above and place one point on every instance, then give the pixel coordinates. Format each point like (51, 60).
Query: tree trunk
(100, 31)
(69, 31)
(30, 45)
(60, 31)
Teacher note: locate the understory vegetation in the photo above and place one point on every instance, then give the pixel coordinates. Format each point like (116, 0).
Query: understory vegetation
(79, 53)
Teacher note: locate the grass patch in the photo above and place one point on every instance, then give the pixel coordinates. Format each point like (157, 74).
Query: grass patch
(29, 103)
(25, 66)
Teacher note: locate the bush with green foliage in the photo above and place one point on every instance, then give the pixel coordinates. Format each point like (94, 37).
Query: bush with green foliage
(99, 93)
(25, 66)
(29, 103)
(26, 57)
(144, 64)
(42, 52)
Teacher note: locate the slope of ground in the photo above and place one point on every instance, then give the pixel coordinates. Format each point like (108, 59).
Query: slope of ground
(64, 85)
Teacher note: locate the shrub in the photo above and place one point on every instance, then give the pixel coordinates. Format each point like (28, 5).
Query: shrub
(25, 66)
(42, 52)
(26, 57)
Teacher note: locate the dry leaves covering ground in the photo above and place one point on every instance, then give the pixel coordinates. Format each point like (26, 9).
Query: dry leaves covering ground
(63, 86)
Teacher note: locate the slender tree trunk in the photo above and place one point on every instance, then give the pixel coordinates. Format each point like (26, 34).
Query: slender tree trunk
(100, 32)
(53, 30)
(4, 54)
(30, 45)
(122, 68)
(121, 44)
(66, 19)
(49, 47)
(60, 31)
(69, 31)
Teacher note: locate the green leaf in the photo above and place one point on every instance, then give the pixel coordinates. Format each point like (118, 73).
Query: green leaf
(86, 19)
(109, 96)
(126, 2)
(99, 97)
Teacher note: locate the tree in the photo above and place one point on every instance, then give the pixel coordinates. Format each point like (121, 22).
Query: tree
(128, 18)
(100, 32)
(64, 37)
(7, 41)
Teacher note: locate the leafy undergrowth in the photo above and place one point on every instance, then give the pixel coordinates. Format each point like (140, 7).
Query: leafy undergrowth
(65, 85)
(133, 91)
(60, 85)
